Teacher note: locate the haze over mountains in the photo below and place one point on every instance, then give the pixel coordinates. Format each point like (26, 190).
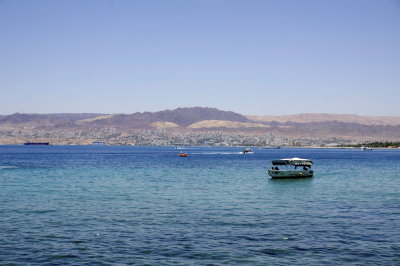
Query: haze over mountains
(211, 119)
(347, 118)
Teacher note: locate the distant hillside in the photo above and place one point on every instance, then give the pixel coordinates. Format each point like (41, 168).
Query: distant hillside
(348, 118)
(163, 125)
(182, 117)
(40, 120)
(334, 129)
(224, 124)
(197, 119)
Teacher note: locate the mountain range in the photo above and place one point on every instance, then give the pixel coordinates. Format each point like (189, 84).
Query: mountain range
(211, 119)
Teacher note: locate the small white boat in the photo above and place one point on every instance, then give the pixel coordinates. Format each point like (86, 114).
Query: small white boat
(291, 168)
(363, 148)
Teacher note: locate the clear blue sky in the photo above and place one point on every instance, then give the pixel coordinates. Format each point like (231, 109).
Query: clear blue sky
(252, 57)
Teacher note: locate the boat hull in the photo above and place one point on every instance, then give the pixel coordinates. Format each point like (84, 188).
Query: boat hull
(282, 174)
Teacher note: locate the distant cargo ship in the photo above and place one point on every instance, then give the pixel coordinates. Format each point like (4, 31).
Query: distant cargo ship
(36, 143)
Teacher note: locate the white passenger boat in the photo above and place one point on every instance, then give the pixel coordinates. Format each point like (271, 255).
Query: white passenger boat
(291, 168)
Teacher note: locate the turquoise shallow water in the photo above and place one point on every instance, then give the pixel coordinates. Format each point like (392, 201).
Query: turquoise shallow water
(145, 205)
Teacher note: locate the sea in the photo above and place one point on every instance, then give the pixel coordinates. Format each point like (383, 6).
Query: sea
(125, 205)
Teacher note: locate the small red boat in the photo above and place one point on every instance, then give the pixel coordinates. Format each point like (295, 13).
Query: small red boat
(183, 154)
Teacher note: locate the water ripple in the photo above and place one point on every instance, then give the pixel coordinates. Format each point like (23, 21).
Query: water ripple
(138, 205)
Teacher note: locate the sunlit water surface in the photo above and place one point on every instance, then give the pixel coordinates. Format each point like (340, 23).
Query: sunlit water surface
(145, 205)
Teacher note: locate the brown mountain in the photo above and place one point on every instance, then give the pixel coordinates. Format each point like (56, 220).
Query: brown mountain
(334, 129)
(182, 117)
(347, 118)
(211, 119)
(41, 120)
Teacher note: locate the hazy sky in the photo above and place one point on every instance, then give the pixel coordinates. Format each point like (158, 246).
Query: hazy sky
(252, 57)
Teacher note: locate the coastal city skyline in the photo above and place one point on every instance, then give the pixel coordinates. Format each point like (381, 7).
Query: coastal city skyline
(199, 127)
(256, 58)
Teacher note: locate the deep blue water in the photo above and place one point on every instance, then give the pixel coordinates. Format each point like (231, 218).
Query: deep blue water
(145, 205)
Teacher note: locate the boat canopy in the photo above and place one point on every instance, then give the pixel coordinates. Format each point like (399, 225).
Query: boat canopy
(293, 161)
